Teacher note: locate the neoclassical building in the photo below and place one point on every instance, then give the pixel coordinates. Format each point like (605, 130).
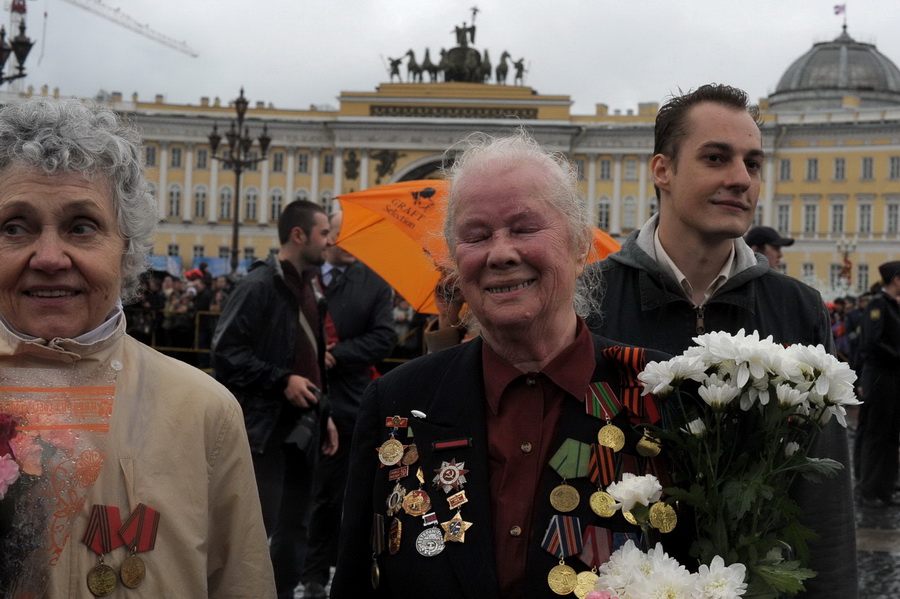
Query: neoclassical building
(831, 133)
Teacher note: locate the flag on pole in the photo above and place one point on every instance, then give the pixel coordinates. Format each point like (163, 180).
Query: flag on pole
(840, 9)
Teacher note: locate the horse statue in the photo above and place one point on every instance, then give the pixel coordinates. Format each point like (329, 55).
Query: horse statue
(484, 72)
(413, 70)
(520, 72)
(502, 68)
(429, 67)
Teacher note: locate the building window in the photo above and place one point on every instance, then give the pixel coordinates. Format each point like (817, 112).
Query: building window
(840, 169)
(328, 164)
(199, 251)
(809, 271)
(862, 277)
(150, 156)
(202, 159)
(629, 213)
(784, 169)
(834, 275)
(867, 168)
(251, 198)
(579, 167)
(278, 162)
(224, 251)
(276, 204)
(605, 169)
(893, 219)
(252, 161)
(174, 208)
(784, 219)
(175, 158)
(603, 214)
(226, 160)
(325, 198)
(865, 218)
(894, 167)
(810, 216)
(631, 168)
(301, 194)
(812, 169)
(225, 198)
(249, 254)
(303, 162)
(173, 250)
(200, 201)
(837, 218)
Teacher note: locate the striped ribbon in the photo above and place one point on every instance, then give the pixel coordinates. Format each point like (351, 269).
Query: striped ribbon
(602, 466)
(377, 534)
(571, 459)
(631, 361)
(139, 531)
(602, 401)
(563, 536)
(597, 546)
(99, 534)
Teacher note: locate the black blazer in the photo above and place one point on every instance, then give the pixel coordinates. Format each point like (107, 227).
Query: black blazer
(448, 387)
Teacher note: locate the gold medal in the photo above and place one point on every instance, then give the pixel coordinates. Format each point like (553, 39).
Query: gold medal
(629, 517)
(101, 580)
(410, 455)
(663, 517)
(562, 579)
(564, 498)
(603, 504)
(611, 436)
(417, 503)
(394, 534)
(390, 452)
(132, 571)
(375, 574)
(648, 446)
(585, 583)
(455, 529)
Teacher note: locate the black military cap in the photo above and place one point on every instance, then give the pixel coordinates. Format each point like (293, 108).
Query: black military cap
(889, 270)
(760, 236)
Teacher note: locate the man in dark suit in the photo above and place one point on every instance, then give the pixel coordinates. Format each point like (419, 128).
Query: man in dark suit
(361, 329)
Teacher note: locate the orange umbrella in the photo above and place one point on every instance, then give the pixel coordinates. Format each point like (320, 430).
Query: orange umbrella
(396, 231)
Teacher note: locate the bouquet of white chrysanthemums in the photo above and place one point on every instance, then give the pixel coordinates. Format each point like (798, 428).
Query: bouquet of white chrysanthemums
(741, 414)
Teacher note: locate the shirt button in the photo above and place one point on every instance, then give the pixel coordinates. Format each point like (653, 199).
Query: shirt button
(525, 447)
(530, 381)
(515, 531)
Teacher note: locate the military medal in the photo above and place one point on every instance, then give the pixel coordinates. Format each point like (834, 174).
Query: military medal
(585, 583)
(430, 542)
(562, 539)
(601, 402)
(564, 498)
(395, 499)
(457, 499)
(417, 502)
(377, 540)
(390, 452)
(410, 455)
(104, 519)
(611, 436)
(603, 504)
(139, 534)
(450, 476)
(629, 517)
(455, 529)
(663, 517)
(394, 533)
(597, 546)
(648, 446)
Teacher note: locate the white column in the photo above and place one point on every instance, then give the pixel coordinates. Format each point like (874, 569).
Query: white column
(338, 171)
(213, 199)
(163, 179)
(769, 195)
(642, 214)
(262, 202)
(291, 153)
(364, 170)
(592, 187)
(615, 226)
(314, 184)
(187, 211)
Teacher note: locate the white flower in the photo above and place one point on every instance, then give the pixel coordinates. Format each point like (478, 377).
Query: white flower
(658, 377)
(695, 427)
(789, 396)
(667, 580)
(831, 376)
(717, 393)
(635, 489)
(625, 565)
(717, 581)
(791, 448)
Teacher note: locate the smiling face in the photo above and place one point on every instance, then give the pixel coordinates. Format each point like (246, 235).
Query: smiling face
(61, 271)
(709, 192)
(517, 267)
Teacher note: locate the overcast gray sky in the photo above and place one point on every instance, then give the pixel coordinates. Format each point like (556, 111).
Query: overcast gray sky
(294, 53)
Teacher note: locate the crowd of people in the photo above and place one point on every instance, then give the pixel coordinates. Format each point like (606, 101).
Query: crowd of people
(443, 475)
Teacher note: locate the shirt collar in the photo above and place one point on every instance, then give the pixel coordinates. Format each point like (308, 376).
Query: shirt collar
(571, 370)
(104, 330)
(666, 263)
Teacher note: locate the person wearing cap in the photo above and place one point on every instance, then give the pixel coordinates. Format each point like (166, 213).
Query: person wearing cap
(767, 241)
(878, 432)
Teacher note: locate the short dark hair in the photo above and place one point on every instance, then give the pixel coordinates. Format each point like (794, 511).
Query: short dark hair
(300, 213)
(671, 120)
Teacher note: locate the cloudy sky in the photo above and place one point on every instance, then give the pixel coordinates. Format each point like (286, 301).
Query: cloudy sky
(295, 53)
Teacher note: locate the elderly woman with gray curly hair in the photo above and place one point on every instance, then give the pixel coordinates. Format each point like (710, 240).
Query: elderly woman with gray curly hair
(122, 472)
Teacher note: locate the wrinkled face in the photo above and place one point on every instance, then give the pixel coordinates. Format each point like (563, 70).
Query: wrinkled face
(61, 271)
(711, 188)
(516, 264)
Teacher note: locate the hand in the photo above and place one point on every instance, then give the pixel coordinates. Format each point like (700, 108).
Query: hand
(299, 392)
(330, 360)
(330, 444)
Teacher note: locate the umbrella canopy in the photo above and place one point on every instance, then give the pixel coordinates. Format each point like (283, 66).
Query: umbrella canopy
(396, 231)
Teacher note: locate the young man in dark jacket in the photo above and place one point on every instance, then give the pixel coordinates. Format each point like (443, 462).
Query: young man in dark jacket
(688, 271)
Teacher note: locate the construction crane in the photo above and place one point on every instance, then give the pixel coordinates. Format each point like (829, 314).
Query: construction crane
(116, 16)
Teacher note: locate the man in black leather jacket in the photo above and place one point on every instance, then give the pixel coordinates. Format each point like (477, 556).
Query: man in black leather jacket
(268, 349)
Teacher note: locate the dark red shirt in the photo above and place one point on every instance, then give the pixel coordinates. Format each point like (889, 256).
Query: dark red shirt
(306, 360)
(523, 412)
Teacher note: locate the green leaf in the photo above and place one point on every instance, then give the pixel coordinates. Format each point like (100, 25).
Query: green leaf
(785, 577)
(817, 469)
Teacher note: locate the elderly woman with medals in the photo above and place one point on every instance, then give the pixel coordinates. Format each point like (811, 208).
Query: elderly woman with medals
(481, 471)
(123, 473)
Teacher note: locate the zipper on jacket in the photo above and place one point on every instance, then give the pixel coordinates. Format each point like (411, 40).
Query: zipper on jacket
(701, 328)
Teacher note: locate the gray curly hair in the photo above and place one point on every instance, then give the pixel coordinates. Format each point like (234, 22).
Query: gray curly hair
(484, 154)
(71, 136)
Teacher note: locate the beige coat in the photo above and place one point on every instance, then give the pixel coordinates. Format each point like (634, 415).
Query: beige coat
(177, 444)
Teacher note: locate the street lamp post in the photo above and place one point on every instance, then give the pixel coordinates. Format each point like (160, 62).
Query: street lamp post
(20, 46)
(238, 158)
(845, 248)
